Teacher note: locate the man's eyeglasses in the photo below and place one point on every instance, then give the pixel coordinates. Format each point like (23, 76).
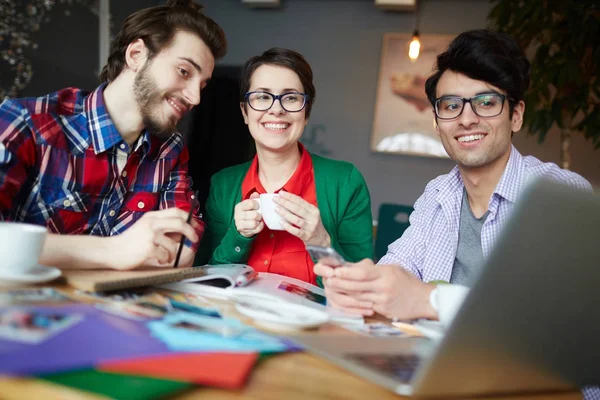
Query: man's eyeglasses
(290, 101)
(484, 105)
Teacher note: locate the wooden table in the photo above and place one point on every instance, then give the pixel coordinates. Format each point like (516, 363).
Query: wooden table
(287, 376)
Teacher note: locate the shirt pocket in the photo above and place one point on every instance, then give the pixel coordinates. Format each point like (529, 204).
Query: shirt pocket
(69, 211)
(136, 204)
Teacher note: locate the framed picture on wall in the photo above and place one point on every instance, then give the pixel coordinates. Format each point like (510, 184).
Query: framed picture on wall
(403, 121)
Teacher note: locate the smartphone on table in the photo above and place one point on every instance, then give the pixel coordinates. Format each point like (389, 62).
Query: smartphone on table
(333, 258)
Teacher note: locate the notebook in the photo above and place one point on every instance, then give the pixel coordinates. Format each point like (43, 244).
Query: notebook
(107, 280)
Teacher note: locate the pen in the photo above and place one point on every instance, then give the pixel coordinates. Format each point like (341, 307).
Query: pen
(189, 219)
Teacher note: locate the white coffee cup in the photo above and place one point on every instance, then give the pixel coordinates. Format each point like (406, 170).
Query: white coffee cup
(20, 246)
(447, 300)
(266, 207)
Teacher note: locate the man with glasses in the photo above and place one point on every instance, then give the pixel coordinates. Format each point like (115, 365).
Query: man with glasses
(477, 96)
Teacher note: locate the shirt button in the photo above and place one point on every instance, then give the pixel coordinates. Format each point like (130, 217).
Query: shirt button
(112, 213)
(66, 203)
(237, 249)
(122, 146)
(124, 174)
(271, 235)
(141, 204)
(266, 262)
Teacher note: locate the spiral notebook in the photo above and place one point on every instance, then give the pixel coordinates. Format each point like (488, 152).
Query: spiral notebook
(107, 280)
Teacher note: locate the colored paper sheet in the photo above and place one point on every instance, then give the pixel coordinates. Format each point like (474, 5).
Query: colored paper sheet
(94, 337)
(225, 370)
(118, 386)
(194, 333)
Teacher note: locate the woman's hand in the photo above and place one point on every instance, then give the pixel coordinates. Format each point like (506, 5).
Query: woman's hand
(248, 220)
(301, 219)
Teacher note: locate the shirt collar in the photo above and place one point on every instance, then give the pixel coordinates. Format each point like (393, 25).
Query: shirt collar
(512, 178)
(103, 132)
(296, 184)
(508, 187)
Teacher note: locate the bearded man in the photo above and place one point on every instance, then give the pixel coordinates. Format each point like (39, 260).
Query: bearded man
(106, 171)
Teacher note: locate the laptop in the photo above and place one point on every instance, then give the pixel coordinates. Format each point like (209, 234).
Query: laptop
(531, 322)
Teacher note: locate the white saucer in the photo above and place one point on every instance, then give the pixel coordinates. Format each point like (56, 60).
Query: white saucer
(280, 315)
(37, 274)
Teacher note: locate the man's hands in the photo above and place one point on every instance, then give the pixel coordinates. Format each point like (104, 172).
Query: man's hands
(248, 220)
(153, 240)
(302, 219)
(365, 288)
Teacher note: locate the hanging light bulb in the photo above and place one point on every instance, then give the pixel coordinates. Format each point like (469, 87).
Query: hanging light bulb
(415, 46)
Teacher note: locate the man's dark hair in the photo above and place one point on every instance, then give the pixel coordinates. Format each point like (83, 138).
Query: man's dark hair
(483, 55)
(283, 58)
(157, 26)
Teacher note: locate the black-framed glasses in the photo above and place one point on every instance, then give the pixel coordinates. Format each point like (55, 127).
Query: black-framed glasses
(484, 105)
(290, 101)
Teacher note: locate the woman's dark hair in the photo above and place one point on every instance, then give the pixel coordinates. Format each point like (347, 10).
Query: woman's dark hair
(283, 58)
(157, 26)
(492, 57)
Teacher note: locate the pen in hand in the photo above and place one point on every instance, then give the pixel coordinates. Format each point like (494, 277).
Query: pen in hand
(189, 219)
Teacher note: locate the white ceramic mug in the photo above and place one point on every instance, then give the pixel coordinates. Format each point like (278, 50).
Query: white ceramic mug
(447, 300)
(266, 207)
(20, 246)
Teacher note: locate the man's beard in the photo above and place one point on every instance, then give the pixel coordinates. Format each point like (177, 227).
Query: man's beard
(149, 99)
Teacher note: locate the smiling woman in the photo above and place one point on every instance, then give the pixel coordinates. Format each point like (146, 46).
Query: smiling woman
(319, 201)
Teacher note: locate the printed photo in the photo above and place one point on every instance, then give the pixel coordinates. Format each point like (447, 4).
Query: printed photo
(302, 291)
(33, 326)
(375, 329)
(197, 327)
(137, 311)
(34, 295)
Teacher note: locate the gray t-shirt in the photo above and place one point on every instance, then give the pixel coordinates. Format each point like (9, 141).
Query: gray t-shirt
(469, 254)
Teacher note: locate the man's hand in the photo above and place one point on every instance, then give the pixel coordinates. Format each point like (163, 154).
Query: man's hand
(302, 219)
(389, 290)
(248, 220)
(152, 241)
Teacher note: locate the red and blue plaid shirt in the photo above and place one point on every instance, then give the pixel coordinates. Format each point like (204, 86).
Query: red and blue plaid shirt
(58, 167)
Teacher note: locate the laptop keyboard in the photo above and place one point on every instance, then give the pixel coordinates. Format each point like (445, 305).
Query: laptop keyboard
(399, 366)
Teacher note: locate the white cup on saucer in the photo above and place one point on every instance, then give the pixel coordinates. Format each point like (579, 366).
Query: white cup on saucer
(266, 207)
(20, 247)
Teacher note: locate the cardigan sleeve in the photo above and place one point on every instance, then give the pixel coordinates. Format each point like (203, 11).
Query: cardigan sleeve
(355, 229)
(223, 244)
(353, 235)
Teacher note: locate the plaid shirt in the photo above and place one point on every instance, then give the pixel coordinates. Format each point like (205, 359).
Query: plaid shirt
(63, 164)
(428, 247)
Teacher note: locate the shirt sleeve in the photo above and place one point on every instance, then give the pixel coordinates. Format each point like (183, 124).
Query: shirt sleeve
(178, 193)
(409, 250)
(17, 155)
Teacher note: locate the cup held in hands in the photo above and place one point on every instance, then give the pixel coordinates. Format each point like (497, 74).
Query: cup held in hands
(266, 207)
(20, 246)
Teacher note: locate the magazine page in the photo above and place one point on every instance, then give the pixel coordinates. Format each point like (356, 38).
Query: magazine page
(297, 292)
(217, 282)
(263, 285)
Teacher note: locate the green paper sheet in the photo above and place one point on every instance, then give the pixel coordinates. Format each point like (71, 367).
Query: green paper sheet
(118, 386)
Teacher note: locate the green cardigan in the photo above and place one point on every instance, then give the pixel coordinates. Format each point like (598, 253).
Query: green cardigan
(343, 200)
